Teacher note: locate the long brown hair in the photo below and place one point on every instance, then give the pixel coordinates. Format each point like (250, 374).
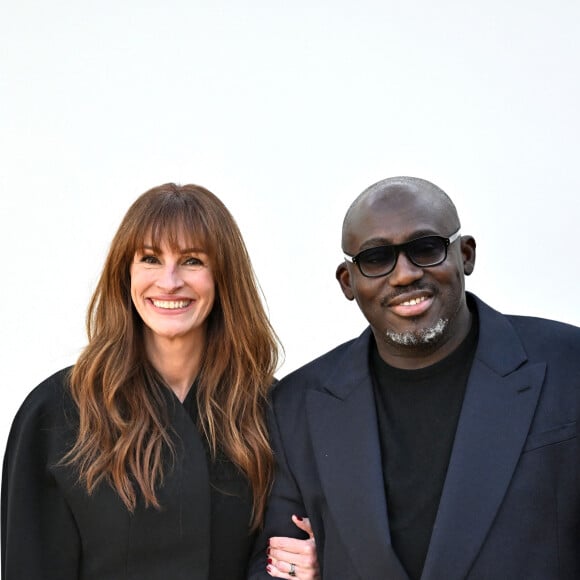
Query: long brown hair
(123, 427)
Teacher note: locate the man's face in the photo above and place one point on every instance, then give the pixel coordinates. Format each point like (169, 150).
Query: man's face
(416, 314)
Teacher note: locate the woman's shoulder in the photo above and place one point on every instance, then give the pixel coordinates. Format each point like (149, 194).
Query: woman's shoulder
(44, 425)
(50, 400)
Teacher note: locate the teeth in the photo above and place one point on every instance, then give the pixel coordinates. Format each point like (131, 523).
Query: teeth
(171, 304)
(414, 301)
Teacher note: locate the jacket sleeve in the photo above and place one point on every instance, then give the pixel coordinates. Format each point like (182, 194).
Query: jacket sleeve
(40, 539)
(285, 500)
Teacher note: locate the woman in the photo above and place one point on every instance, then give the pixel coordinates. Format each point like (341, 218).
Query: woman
(149, 459)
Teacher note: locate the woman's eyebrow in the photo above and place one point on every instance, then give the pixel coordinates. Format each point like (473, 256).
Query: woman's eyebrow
(193, 250)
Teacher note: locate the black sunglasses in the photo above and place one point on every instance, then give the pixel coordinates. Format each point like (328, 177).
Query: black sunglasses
(423, 252)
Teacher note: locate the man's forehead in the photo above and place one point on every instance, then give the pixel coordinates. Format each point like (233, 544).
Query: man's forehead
(399, 195)
(397, 213)
(400, 202)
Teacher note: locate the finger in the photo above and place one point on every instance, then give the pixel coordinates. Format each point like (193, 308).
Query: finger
(280, 572)
(304, 554)
(304, 525)
(274, 572)
(306, 561)
(291, 545)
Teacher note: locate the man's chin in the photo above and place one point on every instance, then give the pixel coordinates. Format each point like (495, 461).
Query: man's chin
(421, 337)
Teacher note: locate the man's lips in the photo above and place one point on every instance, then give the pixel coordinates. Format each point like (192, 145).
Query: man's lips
(410, 304)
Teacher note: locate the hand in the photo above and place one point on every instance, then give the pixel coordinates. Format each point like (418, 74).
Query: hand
(290, 558)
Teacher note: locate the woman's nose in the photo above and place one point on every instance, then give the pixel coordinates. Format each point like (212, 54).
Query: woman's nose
(169, 278)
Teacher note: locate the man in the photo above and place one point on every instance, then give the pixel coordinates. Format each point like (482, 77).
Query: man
(440, 444)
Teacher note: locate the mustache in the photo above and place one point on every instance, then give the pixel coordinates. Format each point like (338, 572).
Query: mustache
(416, 287)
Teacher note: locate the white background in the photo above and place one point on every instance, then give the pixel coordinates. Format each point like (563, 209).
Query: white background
(285, 110)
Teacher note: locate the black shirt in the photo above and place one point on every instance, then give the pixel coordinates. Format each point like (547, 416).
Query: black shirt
(417, 413)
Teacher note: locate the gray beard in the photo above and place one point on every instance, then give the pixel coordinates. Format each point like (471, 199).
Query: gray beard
(423, 336)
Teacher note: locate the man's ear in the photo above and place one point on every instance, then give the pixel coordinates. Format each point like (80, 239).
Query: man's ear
(343, 277)
(468, 254)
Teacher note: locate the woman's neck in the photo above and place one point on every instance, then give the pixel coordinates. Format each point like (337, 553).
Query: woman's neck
(177, 361)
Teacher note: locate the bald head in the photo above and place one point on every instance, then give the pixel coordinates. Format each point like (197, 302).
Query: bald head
(398, 191)
(417, 309)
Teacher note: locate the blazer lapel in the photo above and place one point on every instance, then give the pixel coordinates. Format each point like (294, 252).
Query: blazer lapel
(497, 412)
(345, 438)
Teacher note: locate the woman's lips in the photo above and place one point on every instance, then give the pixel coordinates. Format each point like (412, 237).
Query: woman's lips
(171, 304)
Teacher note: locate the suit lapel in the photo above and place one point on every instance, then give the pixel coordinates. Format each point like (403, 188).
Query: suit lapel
(497, 412)
(346, 444)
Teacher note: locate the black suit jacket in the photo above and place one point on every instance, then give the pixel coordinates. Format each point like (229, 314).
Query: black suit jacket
(510, 506)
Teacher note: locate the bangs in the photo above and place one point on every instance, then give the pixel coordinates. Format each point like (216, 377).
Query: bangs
(178, 227)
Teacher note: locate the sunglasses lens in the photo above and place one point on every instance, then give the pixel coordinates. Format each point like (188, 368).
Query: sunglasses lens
(427, 251)
(377, 261)
(423, 252)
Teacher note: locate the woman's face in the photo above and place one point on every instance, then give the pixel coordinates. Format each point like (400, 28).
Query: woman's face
(173, 291)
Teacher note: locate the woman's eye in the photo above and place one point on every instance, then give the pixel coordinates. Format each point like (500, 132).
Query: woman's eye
(148, 259)
(193, 262)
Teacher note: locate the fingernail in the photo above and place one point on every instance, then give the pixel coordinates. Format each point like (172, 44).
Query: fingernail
(269, 560)
(299, 518)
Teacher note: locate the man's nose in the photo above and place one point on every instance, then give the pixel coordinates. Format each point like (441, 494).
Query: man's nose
(404, 272)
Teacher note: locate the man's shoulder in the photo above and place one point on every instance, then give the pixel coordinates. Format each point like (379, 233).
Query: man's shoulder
(542, 340)
(537, 324)
(531, 330)
(547, 336)
(317, 371)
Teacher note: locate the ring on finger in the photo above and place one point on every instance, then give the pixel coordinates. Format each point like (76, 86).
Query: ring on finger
(292, 571)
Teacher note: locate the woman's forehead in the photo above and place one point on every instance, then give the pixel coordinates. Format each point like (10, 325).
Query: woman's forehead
(176, 235)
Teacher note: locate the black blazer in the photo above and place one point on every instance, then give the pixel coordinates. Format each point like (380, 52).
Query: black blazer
(52, 530)
(510, 506)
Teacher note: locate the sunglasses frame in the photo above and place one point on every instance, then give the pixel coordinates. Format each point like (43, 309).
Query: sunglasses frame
(403, 248)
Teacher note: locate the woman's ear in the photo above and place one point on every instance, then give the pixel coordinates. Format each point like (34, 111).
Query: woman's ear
(343, 277)
(468, 254)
